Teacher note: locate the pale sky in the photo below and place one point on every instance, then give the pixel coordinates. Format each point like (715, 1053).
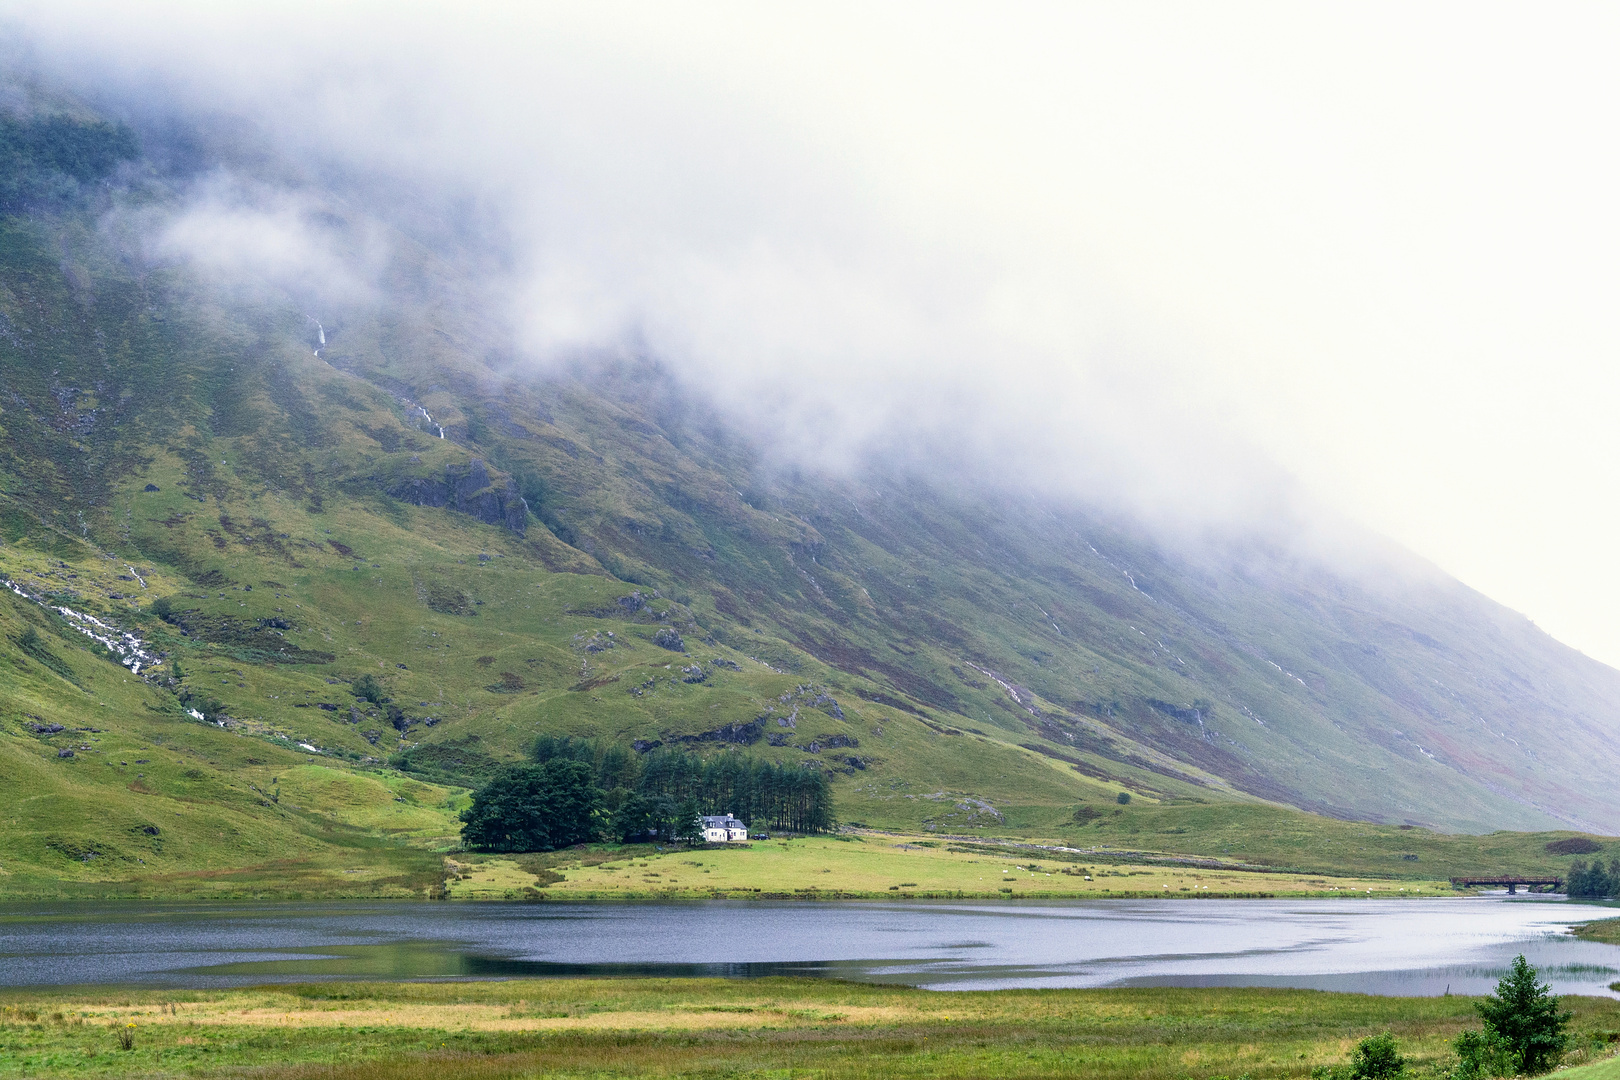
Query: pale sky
(1373, 244)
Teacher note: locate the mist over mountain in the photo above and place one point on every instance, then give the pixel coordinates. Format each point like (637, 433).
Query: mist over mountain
(597, 205)
(557, 435)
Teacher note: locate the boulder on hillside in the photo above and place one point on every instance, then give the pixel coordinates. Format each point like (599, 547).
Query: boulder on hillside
(470, 490)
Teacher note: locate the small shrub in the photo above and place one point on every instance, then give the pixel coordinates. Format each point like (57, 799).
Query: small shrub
(1482, 1054)
(367, 688)
(510, 684)
(1376, 1058)
(1123, 797)
(447, 600)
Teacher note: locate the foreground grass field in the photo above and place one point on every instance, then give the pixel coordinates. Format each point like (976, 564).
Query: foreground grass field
(1608, 1069)
(878, 866)
(711, 1027)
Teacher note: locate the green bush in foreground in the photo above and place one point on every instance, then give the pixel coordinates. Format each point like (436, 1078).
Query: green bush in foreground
(1377, 1057)
(1483, 1054)
(1524, 1031)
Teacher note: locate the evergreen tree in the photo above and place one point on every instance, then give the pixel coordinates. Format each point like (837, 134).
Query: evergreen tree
(688, 823)
(643, 816)
(1592, 882)
(1525, 1016)
(534, 808)
(760, 794)
(509, 813)
(575, 803)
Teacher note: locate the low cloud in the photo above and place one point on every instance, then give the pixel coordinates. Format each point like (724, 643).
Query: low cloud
(1210, 268)
(749, 229)
(246, 235)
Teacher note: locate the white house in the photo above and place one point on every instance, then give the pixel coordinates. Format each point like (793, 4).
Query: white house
(723, 828)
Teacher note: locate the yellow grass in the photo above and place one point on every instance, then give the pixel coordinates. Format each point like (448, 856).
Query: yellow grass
(886, 865)
(260, 1008)
(484, 879)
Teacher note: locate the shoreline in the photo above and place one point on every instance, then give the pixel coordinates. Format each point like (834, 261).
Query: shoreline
(541, 896)
(868, 866)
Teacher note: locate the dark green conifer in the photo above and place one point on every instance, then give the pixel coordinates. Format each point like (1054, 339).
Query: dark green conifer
(1525, 1016)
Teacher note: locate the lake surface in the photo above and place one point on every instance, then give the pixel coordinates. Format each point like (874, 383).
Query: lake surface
(1406, 947)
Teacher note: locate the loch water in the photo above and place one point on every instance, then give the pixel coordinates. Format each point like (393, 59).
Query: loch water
(1399, 947)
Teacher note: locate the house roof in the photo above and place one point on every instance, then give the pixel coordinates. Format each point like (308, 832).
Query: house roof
(722, 821)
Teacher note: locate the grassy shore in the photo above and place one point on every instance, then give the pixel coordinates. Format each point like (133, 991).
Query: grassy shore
(882, 866)
(351, 860)
(1605, 930)
(732, 1028)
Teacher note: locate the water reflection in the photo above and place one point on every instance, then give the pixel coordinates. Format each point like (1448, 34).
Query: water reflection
(1411, 947)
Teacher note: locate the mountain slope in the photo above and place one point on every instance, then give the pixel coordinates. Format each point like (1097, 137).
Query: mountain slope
(1419, 701)
(593, 552)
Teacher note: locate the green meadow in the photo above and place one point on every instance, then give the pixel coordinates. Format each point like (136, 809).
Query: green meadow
(1605, 930)
(726, 1028)
(873, 866)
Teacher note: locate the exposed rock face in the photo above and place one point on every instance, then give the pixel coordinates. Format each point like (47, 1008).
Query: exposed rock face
(829, 742)
(469, 490)
(828, 704)
(741, 734)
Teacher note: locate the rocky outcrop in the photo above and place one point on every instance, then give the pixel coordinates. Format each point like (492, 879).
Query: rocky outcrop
(469, 490)
(741, 734)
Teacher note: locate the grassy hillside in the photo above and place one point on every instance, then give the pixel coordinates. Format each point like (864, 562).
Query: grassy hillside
(593, 553)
